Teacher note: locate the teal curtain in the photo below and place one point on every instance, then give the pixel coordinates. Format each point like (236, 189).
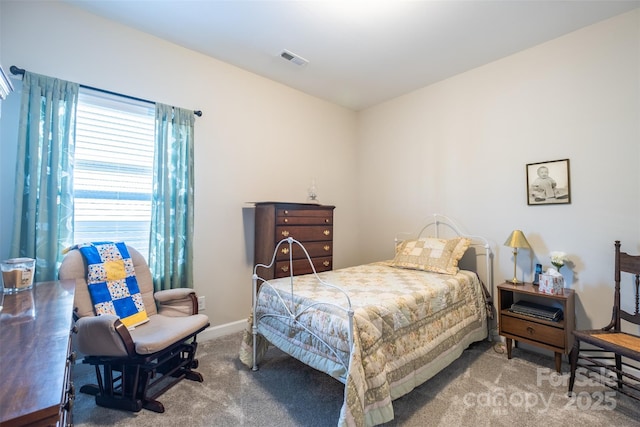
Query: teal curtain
(43, 219)
(171, 239)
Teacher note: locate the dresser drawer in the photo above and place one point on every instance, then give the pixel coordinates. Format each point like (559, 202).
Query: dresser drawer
(302, 266)
(321, 215)
(304, 233)
(531, 330)
(315, 249)
(304, 217)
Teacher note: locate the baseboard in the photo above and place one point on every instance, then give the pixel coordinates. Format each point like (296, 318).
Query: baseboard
(217, 331)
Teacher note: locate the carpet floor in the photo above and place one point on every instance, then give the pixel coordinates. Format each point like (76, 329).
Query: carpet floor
(481, 388)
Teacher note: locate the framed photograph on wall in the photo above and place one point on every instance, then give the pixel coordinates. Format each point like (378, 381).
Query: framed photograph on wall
(548, 183)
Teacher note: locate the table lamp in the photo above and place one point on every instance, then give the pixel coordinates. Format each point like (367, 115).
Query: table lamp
(516, 240)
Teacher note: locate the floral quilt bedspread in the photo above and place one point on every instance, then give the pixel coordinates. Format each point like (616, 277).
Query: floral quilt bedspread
(408, 325)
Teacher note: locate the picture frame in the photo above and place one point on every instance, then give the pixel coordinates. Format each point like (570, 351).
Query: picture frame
(548, 183)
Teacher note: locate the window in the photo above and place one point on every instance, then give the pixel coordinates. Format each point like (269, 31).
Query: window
(113, 170)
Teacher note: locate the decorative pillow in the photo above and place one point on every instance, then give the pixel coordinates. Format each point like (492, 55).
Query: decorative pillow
(431, 254)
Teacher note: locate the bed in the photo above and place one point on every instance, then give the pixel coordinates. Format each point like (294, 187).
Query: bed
(382, 328)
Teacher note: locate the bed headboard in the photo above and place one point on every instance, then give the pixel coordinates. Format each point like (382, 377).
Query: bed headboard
(479, 256)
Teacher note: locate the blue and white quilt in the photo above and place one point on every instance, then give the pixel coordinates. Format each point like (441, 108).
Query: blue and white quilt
(112, 281)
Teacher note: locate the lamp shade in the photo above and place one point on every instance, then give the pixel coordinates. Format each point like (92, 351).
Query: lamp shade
(517, 240)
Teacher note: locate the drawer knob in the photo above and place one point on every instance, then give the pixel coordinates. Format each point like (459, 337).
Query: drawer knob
(326, 232)
(326, 263)
(285, 268)
(327, 248)
(286, 212)
(286, 220)
(285, 233)
(326, 220)
(72, 357)
(285, 250)
(530, 330)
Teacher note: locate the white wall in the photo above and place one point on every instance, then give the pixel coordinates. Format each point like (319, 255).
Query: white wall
(257, 140)
(457, 147)
(460, 147)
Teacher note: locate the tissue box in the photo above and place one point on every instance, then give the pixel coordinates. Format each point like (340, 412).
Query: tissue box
(550, 284)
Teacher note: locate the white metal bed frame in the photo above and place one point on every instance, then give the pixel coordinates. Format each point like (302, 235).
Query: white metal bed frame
(293, 314)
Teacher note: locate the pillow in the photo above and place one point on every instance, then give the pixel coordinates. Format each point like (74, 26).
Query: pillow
(431, 254)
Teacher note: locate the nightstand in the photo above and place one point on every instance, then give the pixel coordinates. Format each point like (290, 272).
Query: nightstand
(556, 336)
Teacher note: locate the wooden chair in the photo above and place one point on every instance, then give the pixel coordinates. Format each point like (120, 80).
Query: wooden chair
(615, 352)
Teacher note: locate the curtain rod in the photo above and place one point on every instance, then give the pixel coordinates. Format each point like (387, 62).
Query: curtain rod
(20, 71)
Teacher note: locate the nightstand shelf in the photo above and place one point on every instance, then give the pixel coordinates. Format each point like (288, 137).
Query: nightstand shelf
(556, 336)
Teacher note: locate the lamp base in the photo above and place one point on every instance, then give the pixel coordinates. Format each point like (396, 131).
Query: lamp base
(514, 282)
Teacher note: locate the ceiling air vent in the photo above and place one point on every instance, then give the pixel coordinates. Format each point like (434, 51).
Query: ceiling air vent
(292, 57)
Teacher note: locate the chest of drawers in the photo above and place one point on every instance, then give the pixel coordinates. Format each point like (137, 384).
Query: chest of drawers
(310, 224)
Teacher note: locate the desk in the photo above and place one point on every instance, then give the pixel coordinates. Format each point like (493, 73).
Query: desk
(36, 357)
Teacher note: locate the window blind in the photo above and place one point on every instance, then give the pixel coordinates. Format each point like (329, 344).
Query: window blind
(113, 169)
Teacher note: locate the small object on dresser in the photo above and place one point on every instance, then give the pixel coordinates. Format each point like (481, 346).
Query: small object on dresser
(17, 274)
(558, 259)
(551, 282)
(313, 193)
(536, 279)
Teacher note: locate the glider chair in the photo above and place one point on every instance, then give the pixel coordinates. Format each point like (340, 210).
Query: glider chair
(134, 365)
(614, 355)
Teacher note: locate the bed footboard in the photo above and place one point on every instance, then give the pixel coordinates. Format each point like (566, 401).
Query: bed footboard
(291, 311)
